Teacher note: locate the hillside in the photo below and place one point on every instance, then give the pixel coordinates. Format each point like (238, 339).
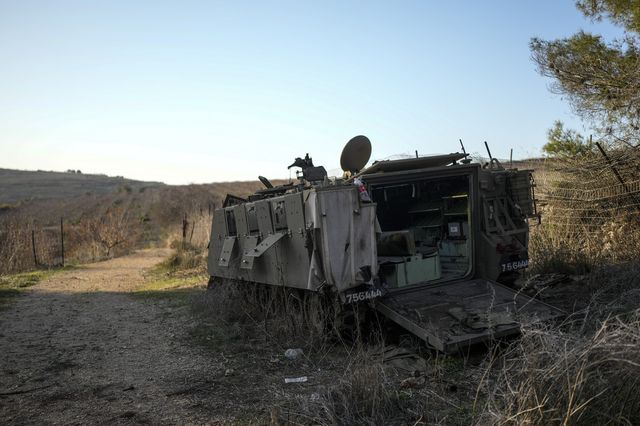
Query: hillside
(22, 185)
(103, 216)
(46, 196)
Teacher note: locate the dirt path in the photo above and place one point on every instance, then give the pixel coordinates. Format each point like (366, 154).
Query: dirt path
(78, 348)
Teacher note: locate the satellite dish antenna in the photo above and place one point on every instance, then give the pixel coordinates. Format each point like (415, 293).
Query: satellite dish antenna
(355, 154)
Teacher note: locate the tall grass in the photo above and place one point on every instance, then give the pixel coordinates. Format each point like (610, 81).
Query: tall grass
(589, 218)
(555, 377)
(285, 317)
(572, 249)
(190, 242)
(365, 394)
(585, 371)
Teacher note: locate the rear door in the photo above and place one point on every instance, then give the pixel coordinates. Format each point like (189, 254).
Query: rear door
(450, 316)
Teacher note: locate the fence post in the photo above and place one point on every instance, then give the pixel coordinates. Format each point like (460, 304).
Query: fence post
(33, 247)
(62, 240)
(193, 226)
(613, 168)
(615, 172)
(185, 225)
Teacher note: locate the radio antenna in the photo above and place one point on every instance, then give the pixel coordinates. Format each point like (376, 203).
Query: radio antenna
(462, 145)
(488, 151)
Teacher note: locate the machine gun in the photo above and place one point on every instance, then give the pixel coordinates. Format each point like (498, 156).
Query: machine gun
(310, 173)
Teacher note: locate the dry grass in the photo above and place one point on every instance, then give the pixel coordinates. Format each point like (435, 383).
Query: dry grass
(586, 370)
(567, 377)
(566, 248)
(366, 394)
(237, 314)
(191, 251)
(287, 318)
(589, 218)
(582, 372)
(558, 249)
(185, 260)
(371, 391)
(349, 381)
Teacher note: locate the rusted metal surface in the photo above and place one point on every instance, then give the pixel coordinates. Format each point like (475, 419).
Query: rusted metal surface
(450, 316)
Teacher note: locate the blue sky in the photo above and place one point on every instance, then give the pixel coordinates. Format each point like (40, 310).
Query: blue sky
(209, 91)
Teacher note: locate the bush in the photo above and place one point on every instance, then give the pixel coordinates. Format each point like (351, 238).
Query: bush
(185, 260)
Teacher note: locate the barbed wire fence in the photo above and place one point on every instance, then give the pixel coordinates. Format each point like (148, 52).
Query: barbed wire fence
(590, 205)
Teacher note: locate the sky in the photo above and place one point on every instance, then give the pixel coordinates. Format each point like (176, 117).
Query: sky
(194, 92)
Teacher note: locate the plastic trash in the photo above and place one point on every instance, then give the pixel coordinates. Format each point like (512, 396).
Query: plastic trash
(295, 379)
(362, 190)
(293, 353)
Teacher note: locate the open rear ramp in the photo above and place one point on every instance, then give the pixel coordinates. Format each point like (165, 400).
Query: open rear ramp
(449, 316)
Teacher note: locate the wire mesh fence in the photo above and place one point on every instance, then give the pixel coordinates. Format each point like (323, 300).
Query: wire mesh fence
(590, 205)
(25, 246)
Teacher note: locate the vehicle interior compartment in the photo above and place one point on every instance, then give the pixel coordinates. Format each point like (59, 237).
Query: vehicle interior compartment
(425, 230)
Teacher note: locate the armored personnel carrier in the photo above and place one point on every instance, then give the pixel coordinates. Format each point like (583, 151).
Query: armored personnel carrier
(429, 242)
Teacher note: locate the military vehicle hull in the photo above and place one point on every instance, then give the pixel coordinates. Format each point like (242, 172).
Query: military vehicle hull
(307, 240)
(427, 246)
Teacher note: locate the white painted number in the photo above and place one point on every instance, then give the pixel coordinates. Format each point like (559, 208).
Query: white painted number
(363, 295)
(515, 265)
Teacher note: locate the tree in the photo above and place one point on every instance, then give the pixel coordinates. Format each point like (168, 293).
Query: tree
(563, 142)
(600, 79)
(112, 229)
